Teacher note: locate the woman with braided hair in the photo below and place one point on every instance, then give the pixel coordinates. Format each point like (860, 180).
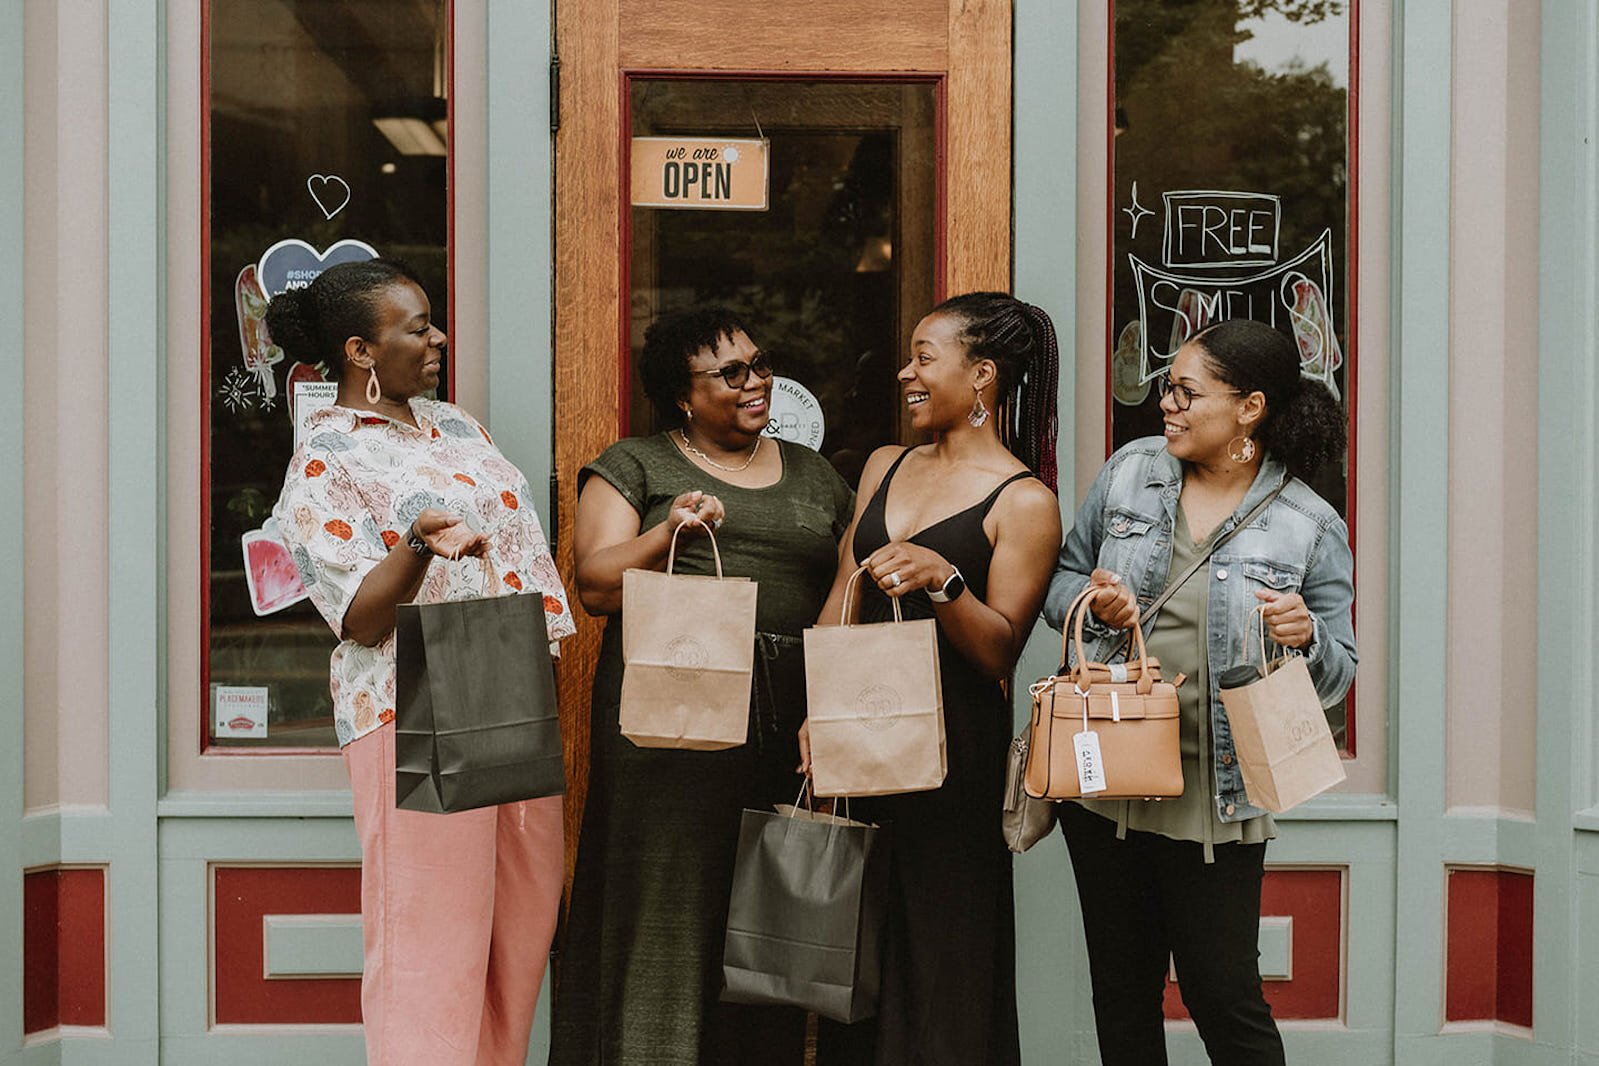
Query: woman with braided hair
(964, 531)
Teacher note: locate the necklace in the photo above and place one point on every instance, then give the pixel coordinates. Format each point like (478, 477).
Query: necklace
(730, 469)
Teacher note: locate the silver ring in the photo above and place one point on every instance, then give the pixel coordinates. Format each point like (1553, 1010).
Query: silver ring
(893, 579)
(716, 523)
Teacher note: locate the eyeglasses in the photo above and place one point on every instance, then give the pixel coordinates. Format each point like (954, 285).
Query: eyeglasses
(1182, 395)
(736, 374)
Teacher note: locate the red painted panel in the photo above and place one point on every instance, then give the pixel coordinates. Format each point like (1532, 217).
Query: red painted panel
(246, 894)
(1488, 974)
(41, 959)
(1314, 899)
(63, 948)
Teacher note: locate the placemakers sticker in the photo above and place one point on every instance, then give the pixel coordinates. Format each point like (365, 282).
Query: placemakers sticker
(239, 712)
(795, 414)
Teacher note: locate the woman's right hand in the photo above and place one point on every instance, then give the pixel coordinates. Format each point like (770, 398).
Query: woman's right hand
(804, 748)
(448, 535)
(1114, 604)
(695, 511)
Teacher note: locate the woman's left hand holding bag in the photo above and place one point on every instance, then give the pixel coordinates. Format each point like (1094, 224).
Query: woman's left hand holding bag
(1288, 620)
(901, 566)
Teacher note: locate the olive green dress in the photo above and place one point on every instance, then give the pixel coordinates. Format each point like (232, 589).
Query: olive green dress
(640, 961)
(1178, 641)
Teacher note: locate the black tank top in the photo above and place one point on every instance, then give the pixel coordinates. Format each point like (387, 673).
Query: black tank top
(959, 539)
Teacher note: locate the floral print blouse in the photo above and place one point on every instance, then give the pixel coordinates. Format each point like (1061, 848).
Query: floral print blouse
(352, 491)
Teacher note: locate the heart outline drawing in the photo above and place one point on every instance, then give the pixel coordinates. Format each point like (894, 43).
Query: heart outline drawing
(326, 180)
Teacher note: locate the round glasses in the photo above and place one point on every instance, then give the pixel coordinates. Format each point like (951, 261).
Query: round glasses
(1183, 396)
(736, 374)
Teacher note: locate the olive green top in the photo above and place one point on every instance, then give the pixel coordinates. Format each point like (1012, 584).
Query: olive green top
(784, 535)
(1178, 641)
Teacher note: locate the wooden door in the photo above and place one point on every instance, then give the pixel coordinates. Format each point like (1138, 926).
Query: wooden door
(959, 49)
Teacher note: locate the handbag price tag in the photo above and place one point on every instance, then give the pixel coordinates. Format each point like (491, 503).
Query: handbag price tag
(1090, 768)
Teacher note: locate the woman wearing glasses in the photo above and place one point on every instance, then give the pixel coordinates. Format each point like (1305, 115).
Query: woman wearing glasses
(1181, 878)
(641, 968)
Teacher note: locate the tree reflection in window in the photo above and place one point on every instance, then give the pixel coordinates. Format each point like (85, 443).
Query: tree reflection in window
(1218, 97)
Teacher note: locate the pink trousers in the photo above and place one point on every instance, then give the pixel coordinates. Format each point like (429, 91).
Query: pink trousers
(457, 913)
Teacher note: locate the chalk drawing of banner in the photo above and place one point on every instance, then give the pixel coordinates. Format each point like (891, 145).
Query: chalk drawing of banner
(1178, 305)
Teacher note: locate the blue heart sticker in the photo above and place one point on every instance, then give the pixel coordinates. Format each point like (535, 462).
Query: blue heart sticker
(293, 264)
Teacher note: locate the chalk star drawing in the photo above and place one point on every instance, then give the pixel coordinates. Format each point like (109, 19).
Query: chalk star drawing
(1137, 212)
(238, 390)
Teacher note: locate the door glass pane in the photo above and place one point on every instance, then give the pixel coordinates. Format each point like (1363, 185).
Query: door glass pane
(328, 127)
(1231, 190)
(834, 273)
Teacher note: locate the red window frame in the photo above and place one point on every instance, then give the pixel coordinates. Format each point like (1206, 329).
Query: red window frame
(624, 352)
(206, 397)
(1351, 252)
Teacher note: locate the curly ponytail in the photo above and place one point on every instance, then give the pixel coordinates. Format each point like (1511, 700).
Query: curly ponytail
(1020, 339)
(1304, 426)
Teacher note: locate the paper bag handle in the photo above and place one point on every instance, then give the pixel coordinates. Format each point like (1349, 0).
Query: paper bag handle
(1257, 615)
(849, 599)
(671, 554)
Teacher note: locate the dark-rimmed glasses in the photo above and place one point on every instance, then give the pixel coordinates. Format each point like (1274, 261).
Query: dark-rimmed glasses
(1183, 396)
(736, 374)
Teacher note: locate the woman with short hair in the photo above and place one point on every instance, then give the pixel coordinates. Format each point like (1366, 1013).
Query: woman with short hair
(641, 963)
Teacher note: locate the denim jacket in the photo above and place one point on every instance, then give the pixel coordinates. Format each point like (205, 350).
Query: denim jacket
(1298, 544)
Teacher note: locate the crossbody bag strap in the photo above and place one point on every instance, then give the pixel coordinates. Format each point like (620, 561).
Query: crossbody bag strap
(1197, 564)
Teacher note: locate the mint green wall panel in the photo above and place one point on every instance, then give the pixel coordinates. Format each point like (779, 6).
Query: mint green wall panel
(1051, 963)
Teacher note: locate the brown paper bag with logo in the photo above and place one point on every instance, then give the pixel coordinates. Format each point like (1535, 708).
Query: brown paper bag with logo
(688, 653)
(875, 703)
(1285, 750)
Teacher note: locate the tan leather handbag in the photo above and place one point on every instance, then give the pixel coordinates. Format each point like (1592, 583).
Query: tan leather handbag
(1103, 730)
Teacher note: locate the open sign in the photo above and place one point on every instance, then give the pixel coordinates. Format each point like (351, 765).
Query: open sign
(699, 173)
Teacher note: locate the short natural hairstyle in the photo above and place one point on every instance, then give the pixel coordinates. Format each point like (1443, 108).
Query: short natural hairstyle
(669, 343)
(1020, 339)
(312, 324)
(1304, 426)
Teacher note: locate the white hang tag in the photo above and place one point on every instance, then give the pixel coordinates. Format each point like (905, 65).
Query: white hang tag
(1090, 770)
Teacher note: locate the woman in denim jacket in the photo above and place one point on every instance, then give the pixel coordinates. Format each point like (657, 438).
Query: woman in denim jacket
(1181, 878)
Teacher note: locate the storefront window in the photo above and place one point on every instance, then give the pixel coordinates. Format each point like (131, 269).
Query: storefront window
(827, 249)
(328, 132)
(1232, 155)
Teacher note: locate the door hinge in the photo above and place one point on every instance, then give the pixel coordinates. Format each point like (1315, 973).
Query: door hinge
(555, 93)
(555, 510)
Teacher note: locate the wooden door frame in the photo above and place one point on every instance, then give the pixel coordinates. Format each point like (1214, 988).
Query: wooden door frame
(964, 44)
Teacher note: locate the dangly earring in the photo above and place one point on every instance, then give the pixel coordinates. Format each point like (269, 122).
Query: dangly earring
(688, 414)
(978, 415)
(1241, 449)
(373, 392)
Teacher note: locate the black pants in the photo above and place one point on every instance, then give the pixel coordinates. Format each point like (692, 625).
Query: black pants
(1149, 897)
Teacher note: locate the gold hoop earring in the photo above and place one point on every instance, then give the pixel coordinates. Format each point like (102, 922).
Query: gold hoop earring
(978, 415)
(1241, 449)
(374, 392)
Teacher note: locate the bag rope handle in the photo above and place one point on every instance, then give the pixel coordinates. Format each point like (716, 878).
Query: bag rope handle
(671, 554)
(849, 597)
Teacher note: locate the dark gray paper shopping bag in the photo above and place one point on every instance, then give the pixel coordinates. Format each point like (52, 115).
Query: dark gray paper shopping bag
(476, 721)
(805, 922)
